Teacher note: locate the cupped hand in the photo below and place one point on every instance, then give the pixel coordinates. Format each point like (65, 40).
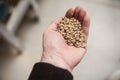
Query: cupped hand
(56, 51)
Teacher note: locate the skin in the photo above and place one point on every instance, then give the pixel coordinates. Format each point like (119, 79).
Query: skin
(56, 51)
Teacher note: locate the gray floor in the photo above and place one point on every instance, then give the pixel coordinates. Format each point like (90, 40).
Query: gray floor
(102, 57)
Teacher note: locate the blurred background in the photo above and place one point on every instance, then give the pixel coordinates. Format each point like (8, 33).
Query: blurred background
(22, 23)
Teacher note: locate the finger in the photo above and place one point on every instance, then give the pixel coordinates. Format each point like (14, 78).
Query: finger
(76, 13)
(82, 14)
(86, 24)
(53, 25)
(70, 13)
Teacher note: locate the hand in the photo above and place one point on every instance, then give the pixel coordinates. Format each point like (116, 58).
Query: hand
(56, 51)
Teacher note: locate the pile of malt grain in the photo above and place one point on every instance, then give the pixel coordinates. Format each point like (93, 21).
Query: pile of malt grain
(72, 32)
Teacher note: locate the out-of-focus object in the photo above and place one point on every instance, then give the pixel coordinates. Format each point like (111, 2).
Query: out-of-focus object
(11, 38)
(4, 9)
(12, 2)
(17, 15)
(4, 33)
(8, 36)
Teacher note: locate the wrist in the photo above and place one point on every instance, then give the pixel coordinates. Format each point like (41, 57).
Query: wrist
(56, 61)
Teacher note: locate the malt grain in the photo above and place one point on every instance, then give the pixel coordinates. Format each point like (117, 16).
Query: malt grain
(71, 30)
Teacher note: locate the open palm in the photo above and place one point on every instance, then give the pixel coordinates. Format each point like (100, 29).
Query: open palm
(56, 51)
